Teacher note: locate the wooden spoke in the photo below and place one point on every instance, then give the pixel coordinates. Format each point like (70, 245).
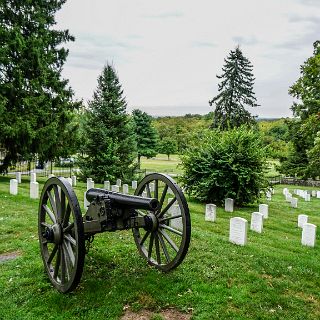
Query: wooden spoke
(67, 215)
(163, 196)
(68, 228)
(50, 213)
(53, 253)
(170, 218)
(63, 205)
(144, 238)
(179, 233)
(57, 264)
(58, 202)
(70, 253)
(47, 225)
(70, 239)
(157, 250)
(150, 245)
(167, 207)
(172, 244)
(164, 247)
(156, 189)
(52, 202)
(148, 190)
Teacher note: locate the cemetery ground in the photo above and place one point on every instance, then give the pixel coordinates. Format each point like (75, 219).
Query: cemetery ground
(272, 277)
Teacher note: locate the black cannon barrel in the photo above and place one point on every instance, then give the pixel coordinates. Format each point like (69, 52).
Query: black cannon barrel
(123, 200)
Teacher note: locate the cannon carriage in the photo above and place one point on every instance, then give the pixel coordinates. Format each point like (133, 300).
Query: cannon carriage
(157, 213)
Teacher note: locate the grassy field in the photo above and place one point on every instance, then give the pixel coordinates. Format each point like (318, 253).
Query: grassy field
(273, 277)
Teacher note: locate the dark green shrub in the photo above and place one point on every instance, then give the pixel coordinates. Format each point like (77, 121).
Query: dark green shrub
(219, 164)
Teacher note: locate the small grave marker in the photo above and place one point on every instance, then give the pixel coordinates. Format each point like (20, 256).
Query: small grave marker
(264, 209)
(119, 183)
(228, 205)
(134, 184)
(238, 231)
(210, 214)
(14, 186)
(33, 177)
(74, 180)
(309, 235)
(302, 219)
(125, 189)
(34, 190)
(294, 202)
(256, 222)
(106, 185)
(115, 188)
(18, 177)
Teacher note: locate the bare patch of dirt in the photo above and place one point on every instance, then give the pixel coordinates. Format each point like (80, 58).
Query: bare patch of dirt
(9, 256)
(167, 314)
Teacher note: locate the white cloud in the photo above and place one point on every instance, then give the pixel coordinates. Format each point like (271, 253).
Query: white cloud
(167, 53)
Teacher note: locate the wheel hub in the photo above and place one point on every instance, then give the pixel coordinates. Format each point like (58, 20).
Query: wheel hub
(151, 222)
(54, 233)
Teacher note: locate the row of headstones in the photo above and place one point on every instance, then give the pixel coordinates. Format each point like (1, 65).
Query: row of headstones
(34, 185)
(239, 226)
(305, 194)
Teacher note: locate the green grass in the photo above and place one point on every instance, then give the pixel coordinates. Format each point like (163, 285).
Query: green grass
(273, 277)
(161, 164)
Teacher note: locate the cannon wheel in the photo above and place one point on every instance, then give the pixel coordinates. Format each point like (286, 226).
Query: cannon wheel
(61, 235)
(166, 245)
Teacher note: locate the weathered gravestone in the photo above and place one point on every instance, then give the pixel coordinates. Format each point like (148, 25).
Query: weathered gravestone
(210, 214)
(302, 219)
(14, 186)
(33, 177)
(268, 196)
(314, 193)
(264, 209)
(176, 223)
(125, 188)
(74, 180)
(309, 235)
(134, 184)
(151, 185)
(238, 231)
(18, 177)
(256, 222)
(307, 197)
(288, 197)
(90, 183)
(115, 188)
(318, 194)
(119, 183)
(285, 191)
(294, 202)
(106, 185)
(34, 190)
(228, 205)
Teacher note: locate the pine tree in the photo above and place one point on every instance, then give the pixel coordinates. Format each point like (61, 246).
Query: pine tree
(146, 135)
(36, 105)
(109, 143)
(235, 93)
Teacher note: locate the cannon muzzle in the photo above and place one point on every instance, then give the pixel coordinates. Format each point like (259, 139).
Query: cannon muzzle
(123, 200)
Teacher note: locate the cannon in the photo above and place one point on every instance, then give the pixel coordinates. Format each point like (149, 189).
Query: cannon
(157, 213)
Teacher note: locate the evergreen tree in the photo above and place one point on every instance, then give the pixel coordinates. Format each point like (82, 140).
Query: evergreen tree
(146, 135)
(35, 102)
(109, 145)
(304, 128)
(235, 93)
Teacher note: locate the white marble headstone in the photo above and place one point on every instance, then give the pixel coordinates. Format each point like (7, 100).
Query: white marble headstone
(86, 202)
(134, 184)
(309, 235)
(288, 197)
(90, 184)
(302, 219)
(307, 197)
(74, 181)
(285, 191)
(33, 177)
(34, 190)
(264, 209)
(115, 188)
(176, 223)
(228, 205)
(238, 231)
(14, 186)
(314, 193)
(294, 202)
(318, 194)
(125, 188)
(151, 186)
(18, 177)
(144, 194)
(256, 222)
(106, 185)
(211, 214)
(119, 183)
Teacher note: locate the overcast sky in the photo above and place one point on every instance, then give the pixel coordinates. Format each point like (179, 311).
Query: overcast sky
(167, 53)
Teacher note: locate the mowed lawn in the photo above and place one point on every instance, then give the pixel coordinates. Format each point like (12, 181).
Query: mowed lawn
(160, 163)
(273, 277)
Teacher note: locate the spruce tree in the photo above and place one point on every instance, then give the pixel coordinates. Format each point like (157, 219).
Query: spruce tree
(109, 143)
(146, 135)
(235, 93)
(36, 105)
